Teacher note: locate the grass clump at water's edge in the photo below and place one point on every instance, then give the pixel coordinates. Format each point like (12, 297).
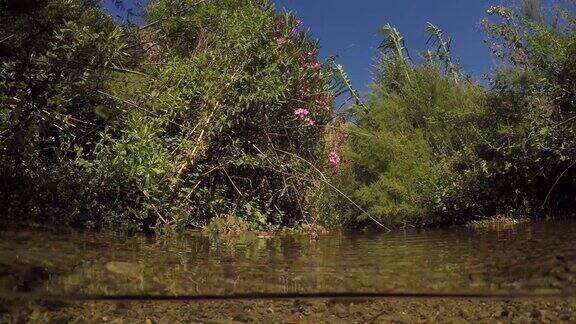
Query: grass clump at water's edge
(497, 222)
(232, 226)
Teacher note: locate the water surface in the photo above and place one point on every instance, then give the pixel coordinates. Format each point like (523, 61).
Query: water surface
(533, 256)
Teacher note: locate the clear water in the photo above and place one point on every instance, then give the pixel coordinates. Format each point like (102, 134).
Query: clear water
(526, 257)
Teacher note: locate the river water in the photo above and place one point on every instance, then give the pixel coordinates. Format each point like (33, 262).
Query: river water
(536, 258)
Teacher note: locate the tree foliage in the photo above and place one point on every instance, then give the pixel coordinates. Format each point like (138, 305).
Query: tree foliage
(403, 153)
(529, 145)
(223, 138)
(56, 54)
(220, 108)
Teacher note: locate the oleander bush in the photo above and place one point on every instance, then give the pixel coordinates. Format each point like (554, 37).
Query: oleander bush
(209, 109)
(229, 123)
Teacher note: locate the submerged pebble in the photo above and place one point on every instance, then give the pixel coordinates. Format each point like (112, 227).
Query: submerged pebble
(127, 269)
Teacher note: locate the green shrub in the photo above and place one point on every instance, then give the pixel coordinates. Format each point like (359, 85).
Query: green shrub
(214, 132)
(405, 150)
(404, 154)
(433, 148)
(528, 142)
(55, 57)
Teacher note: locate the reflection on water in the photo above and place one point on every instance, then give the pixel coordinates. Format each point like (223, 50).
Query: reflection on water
(531, 256)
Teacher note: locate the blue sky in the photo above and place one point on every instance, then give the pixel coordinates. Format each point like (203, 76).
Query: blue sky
(349, 29)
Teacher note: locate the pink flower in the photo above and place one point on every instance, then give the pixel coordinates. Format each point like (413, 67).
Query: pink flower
(279, 40)
(295, 32)
(297, 23)
(301, 112)
(334, 159)
(314, 66)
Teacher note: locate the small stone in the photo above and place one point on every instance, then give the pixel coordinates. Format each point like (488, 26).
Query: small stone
(464, 314)
(501, 313)
(537, 313)
(299, 306)
(340, 311)
(148, 321)
(241, 318)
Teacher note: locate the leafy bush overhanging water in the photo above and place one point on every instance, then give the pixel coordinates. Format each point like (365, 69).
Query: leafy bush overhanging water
(216, 108)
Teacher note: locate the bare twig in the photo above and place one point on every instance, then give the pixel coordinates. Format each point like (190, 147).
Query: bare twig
(117, 69)
(190, 158)
(374, 318)
(555, 183)
(189, 161)
(232, 182)
(159, 215)
(6, 38)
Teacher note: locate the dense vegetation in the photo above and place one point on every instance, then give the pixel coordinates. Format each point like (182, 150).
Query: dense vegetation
(219, 111)
(212, 109)
(433, 147)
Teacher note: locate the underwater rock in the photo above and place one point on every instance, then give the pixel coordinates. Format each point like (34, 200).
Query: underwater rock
(127, 269)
